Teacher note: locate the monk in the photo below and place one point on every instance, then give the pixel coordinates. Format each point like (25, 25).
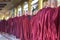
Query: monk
(10, 26)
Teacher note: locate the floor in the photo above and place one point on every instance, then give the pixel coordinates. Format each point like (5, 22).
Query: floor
(5, 36)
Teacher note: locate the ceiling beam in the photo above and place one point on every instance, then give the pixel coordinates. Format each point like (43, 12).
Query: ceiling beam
(5, 0)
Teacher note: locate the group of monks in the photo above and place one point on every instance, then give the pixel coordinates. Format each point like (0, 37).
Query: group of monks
(45, 25)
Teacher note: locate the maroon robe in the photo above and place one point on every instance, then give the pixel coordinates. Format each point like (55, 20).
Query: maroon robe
(56, 18)
(20, 23)
(17, 27)
(49, 24)
(35, 28)
(29, 18)
(3, 25)
(10, 26)
(6, 26)
(31, 24)
(0, 26)
(26, 28)
(41, 30)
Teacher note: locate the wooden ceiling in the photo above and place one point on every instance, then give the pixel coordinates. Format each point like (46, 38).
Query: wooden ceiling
(6, 5)
(5, 0)
(18, 2)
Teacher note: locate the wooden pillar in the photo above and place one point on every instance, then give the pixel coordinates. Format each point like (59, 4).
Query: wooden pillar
(10, 13)
(22, 6)
(16, 10)
(40, 4)
(29, 5)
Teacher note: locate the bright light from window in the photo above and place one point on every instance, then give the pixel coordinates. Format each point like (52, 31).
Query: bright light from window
(19, 9)
(58, 2)
(26, 6)
(33, 2)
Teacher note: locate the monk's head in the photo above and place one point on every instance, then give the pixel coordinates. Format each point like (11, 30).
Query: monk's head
(53, 3)
(45, 3)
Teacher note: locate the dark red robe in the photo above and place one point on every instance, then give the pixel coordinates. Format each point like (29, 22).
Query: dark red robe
(56, 18)
(26, 27)
(6, 26)
(17, 27)
(3, 25)
(10, 26)
(35, 26)
(20, 23)
(49, 24)
(42, 29)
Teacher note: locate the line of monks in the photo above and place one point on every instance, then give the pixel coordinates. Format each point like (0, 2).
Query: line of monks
(45, 25)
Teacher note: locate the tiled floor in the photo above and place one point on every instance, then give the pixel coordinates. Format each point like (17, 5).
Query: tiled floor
(7, 37)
